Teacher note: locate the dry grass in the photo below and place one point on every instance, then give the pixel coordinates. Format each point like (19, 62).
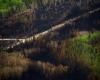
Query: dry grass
(50, 70)
(12, 64)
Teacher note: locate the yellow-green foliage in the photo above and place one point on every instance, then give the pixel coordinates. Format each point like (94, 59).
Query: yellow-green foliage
(88, 47)
(6, 5)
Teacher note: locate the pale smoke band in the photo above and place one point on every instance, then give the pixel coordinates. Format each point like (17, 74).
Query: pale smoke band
(56, 27)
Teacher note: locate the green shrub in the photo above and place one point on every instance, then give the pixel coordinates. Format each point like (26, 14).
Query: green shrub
(88, 49)
(84, 50)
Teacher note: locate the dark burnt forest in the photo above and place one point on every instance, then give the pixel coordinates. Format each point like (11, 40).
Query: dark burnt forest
(49, 39)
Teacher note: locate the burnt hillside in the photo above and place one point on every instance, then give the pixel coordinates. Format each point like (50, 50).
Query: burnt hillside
(46, 15)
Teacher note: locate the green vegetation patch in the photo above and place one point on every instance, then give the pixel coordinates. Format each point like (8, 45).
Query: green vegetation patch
(88, 48)
(88, 37)
(84, 49)
(7, 5)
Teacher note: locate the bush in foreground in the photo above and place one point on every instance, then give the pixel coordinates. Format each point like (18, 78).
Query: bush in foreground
(12, 64)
